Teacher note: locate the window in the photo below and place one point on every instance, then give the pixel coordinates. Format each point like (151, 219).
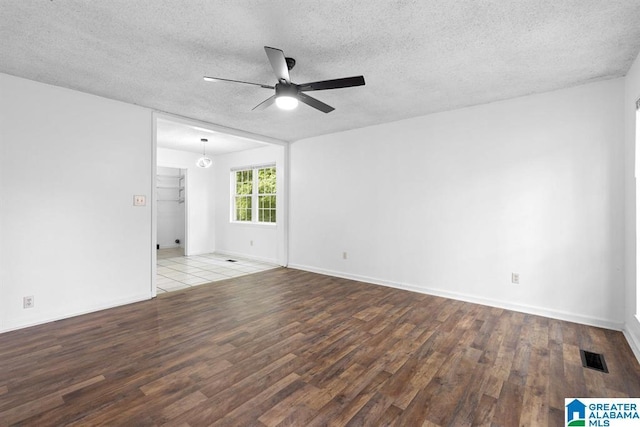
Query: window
(267, 194)
(244, 195)
(254, 198)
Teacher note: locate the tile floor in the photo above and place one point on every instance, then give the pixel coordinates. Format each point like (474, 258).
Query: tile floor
(179, 272)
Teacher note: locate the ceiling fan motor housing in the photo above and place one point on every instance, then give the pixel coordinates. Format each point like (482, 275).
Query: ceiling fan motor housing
(284, 89)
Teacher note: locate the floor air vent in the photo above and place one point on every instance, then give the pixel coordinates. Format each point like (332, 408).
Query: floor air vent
(593, 361)
(231, 260)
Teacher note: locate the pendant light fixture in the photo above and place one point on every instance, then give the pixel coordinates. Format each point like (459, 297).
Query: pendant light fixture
(204, 161)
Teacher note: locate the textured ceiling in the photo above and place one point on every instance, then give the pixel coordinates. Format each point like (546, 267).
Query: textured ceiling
(417, 57)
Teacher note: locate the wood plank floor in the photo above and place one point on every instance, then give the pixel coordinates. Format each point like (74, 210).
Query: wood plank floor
(287, 347)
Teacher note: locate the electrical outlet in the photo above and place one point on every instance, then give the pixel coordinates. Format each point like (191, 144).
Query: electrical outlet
(139, 200)
(28, 302)
(344, 255)
(515, 278)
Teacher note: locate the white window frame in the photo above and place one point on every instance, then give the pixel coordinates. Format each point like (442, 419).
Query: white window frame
(254, 194)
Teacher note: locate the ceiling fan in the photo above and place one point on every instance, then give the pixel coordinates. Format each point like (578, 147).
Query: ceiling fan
(288, 93)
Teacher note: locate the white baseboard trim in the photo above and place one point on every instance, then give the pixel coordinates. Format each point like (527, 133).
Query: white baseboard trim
(173, 246)
(248, 257)
(538, 311)
(633, 340)
(56, 317)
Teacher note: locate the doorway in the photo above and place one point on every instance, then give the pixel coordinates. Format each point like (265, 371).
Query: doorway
(203, 213)
(171, 211)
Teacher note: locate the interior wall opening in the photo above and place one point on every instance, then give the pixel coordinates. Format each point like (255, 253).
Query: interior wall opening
(193, 204)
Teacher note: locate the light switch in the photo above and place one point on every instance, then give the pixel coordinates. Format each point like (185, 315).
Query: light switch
(139, 200)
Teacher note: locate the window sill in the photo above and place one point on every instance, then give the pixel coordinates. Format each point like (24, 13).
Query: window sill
(255, 224)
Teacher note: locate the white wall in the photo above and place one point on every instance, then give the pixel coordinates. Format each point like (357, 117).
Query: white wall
(70, 165)
(200, 199)
(453, 203)
(449, 203)
(235, 238)
(632, 93)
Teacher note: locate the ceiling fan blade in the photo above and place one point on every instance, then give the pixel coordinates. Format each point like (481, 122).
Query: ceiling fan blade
(264, 104)
(218, 79)
(278, 63)
(333, 84)
(312, 102)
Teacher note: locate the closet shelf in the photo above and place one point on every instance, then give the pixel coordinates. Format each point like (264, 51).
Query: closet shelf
(172, 183)
(169, 187)
(179, 177)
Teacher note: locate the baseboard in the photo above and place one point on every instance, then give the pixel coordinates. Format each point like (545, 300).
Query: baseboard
(94, 309)
(170, 246)
(249, 257)
(538, 311)
(633, 340)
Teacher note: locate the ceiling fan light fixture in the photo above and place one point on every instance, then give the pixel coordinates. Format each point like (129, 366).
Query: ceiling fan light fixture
(286, 102)
(204, 161)
(289, 94)
(286, 96)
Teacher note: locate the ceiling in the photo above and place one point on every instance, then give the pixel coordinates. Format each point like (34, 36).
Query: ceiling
(417, 56)
(177, 135)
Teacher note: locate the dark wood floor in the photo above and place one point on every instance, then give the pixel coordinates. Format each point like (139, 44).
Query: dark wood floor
(286, 347)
